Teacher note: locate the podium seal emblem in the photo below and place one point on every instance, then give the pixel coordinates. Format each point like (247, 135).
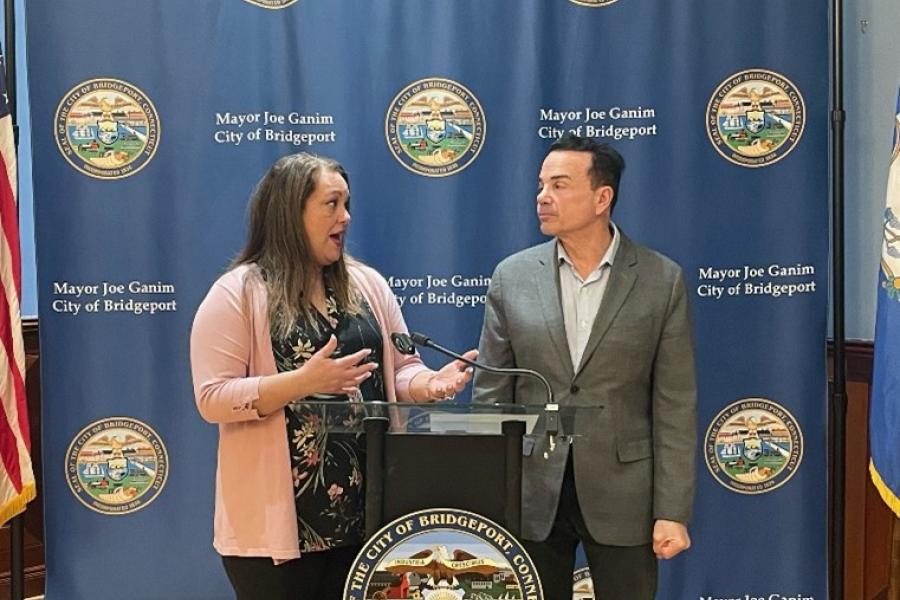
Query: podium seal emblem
(443, 554)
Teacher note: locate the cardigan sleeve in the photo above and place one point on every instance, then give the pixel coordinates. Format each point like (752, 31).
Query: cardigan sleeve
(405, 366)
(221, 340)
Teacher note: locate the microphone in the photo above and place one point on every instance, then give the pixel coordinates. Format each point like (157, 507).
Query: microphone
(403, 343)
(406, 344)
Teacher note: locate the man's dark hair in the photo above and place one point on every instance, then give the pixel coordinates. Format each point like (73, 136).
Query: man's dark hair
(606, 164)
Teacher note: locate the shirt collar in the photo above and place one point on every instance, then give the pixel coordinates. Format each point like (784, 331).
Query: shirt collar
(607, 259)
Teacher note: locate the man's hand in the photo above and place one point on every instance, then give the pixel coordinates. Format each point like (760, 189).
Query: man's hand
(670, 538)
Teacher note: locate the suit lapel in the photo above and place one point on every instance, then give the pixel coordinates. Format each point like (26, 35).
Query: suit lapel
(547, 284)
(621, 280)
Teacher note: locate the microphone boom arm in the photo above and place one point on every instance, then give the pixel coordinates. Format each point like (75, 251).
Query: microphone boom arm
(504, 371)
(406, 343)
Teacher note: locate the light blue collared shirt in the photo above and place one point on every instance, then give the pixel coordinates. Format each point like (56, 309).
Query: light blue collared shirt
(581, 298)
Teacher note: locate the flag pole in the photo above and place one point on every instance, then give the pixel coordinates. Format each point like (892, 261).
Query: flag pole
(17, 524)
(10, 55)
(837, 412)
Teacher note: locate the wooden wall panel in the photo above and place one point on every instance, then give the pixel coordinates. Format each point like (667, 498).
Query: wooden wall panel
(869, 524)
(34, 515)
(857, 459)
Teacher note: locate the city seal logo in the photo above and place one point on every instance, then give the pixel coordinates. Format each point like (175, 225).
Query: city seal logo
(117, 465)
(443, 554)
(593, 3)
(890, 247)
(755, 118)
(435, 127)
(753, 446)
(107, 128)
(273, 4)
(582, 584)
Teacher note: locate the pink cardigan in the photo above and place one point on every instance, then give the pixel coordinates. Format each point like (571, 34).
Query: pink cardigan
(231, 350)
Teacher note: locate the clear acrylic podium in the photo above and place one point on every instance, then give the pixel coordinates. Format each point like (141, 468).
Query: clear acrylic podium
(446, 454)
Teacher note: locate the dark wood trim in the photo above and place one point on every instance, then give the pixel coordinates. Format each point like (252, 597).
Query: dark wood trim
(34, 515)
(34, 582)
(859, 355)
(30, 336)
(869, 525)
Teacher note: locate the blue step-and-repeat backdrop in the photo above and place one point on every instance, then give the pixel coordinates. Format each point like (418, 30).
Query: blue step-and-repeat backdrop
(153, 120)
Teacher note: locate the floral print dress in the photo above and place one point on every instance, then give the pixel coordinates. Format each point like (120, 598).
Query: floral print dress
(328, 466)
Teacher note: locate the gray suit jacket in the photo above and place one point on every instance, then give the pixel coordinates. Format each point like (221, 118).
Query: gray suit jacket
(634, 450)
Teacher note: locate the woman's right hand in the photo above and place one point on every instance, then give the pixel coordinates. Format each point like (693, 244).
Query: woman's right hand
(326, 375)
(321, 374)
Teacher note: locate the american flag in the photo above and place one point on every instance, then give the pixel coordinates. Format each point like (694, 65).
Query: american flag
(17, 485)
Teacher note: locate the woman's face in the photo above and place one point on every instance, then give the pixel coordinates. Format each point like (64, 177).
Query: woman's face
(326, 217)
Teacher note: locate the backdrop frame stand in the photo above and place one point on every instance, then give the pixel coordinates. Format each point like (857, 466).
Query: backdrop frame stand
(837, 410)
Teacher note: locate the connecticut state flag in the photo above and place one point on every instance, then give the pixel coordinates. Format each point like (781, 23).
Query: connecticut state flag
(884, 413)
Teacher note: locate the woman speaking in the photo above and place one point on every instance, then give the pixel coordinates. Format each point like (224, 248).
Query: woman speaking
(296, 318)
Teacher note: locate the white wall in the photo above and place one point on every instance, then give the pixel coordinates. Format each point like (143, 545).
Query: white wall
(871, 80)
(26, 203)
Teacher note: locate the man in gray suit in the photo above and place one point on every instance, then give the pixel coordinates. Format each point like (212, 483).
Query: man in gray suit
(606, 321)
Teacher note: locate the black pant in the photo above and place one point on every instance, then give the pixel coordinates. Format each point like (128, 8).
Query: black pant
(313, 576)
(618, 572)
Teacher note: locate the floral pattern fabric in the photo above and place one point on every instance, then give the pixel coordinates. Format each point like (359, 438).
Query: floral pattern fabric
(328, 467)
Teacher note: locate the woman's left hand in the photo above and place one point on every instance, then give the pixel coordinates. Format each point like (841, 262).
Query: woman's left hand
(451, 378)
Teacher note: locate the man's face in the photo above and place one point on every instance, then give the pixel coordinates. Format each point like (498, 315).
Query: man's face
(566, 204)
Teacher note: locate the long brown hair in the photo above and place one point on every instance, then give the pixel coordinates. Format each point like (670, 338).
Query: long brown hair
(278, 245)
